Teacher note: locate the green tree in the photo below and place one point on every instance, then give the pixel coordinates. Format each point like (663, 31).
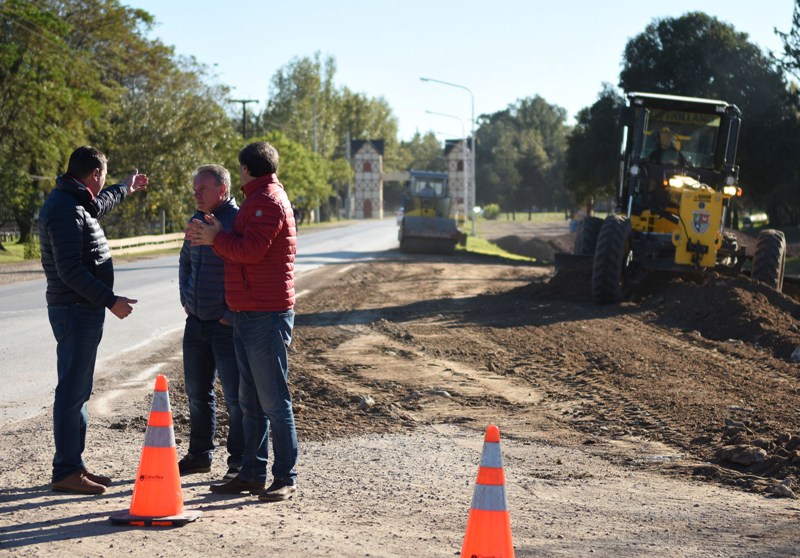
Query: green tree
(788, 194)
(308, 108)
(697, 55)
(542, 144)
(303, 103)
(593, 149)
(362, 117)
(422, 152)
(305, 174)
(520, 159)
(789, 59)
(496, 159)
(62, 64)
(42, 108)
(167, 127)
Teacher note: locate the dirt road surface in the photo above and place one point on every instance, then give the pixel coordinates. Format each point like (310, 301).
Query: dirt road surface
(665, 426)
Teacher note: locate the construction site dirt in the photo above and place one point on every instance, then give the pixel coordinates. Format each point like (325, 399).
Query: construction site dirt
(668, 425)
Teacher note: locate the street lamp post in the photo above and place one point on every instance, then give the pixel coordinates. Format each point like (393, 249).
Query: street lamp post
(463, 154)
(244, 113)
(472, 97)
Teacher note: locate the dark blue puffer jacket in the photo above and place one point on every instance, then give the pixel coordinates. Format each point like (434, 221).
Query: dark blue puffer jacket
(201, 273)
(75, 254)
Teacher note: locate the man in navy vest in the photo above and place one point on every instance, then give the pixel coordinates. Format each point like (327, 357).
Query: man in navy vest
(208, 349)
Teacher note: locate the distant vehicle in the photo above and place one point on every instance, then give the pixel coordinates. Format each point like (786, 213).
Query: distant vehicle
(426, 226)
(755, 219)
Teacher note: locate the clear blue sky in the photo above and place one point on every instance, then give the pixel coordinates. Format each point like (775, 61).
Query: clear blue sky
(501, 51)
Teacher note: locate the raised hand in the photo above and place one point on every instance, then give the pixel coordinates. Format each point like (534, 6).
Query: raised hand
(136, 181)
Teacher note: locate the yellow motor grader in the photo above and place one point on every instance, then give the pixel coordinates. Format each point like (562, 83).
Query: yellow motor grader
(677, 178)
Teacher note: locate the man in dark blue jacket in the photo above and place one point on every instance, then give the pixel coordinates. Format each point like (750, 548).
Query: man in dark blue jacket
(208, 348)
(80, 286)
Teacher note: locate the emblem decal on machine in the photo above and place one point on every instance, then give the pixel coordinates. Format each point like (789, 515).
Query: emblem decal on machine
(700, 221)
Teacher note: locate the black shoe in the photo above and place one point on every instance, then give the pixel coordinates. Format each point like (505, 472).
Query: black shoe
(277, 492)
(191, 464)
(233, 472)
(237, 486)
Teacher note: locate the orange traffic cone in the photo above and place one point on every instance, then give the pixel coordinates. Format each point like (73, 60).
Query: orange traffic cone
(157, 498)
(489, 525)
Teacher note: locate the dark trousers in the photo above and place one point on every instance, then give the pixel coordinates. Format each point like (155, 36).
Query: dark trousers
(78, 329)
(208, 352)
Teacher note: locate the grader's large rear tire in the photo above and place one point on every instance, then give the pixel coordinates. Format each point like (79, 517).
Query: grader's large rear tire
(586, 236)
(611, 259)
(769, 259)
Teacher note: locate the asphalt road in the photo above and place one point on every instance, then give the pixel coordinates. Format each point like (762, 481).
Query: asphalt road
(27, 346)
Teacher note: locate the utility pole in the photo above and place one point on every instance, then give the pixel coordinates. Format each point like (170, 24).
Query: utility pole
(348, 205)
(244, 113)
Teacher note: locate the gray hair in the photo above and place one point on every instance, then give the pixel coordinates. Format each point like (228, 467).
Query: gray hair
(220, 174)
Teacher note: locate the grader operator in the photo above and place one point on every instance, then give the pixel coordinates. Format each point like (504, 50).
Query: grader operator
(676, 182)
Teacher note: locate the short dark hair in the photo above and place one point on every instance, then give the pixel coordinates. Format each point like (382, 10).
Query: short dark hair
(84, 160)
(260, 158)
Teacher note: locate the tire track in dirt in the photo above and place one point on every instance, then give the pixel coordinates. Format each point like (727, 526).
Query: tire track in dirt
(606, 374)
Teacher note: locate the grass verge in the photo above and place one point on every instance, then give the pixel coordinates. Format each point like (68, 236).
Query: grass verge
(13, 253)
(478, 245)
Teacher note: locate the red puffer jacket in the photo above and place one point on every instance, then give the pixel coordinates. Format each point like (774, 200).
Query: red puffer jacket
(260, 249)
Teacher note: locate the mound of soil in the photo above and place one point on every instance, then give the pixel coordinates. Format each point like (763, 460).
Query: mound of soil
(724, 308)
(716, 306)
(541, 249)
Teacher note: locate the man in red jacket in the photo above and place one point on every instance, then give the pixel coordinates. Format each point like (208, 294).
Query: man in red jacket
(259, 257)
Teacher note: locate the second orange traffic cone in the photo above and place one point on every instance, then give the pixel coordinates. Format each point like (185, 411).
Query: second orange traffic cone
(157, 497)
(489, 524)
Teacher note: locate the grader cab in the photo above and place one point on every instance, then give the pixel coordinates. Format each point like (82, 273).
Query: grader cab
(676, 182)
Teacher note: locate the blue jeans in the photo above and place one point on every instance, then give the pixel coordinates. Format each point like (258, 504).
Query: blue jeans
(207, 353)
(78, 329)
(262, 340)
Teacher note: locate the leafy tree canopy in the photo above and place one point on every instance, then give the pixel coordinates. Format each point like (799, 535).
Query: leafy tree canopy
(593, 149)
(305, 175)
(520, 159)
(306, 105)
(74, 72)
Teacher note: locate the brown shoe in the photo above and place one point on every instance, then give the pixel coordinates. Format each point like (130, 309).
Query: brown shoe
(237, 486)
(277, 492)
(78, 483)
(99, 479)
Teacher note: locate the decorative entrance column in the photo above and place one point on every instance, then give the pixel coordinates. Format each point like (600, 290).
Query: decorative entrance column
(368, 188)
(459, 178)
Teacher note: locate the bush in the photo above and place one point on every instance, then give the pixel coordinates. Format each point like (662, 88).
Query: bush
(491, 211)
(32, 249)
